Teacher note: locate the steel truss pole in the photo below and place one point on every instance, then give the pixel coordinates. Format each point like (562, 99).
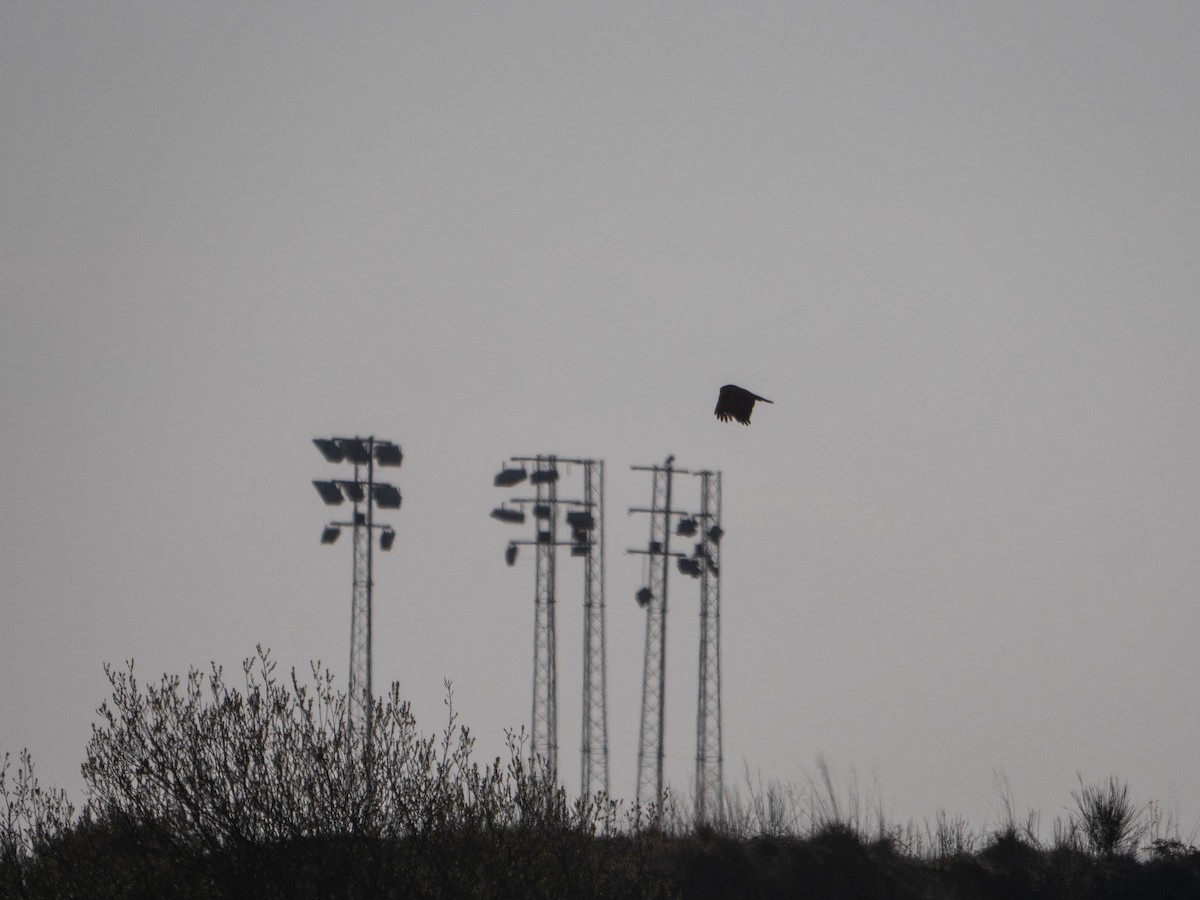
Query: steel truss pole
(594, 744)
(360, 707)
(654, 668)
(544, 718)
(709, 756)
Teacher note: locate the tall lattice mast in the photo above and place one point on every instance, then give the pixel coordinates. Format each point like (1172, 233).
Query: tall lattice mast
(544, 718)
(594, 742)
(710, 790)
(653, 598)
(360, 605)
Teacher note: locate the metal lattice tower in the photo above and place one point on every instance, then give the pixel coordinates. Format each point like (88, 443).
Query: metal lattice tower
(654, 669)
(544, 719)
(710, 790)
(593, 776)
(365, 493)
(586, 521)
(360, 613)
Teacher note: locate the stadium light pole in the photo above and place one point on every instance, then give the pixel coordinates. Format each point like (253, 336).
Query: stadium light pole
(363, 453)
(585, 519)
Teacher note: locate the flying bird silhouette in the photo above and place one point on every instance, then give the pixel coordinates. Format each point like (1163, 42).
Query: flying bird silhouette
(736, 403)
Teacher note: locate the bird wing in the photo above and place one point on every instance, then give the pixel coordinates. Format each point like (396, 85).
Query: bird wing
(724, 410)
(735, 403)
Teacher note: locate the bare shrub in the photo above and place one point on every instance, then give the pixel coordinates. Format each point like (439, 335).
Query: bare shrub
(1109, 822)
(949, 837)
(202, 788)
(29, 816)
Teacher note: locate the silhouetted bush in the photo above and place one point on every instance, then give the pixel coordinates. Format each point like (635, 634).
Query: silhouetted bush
(1110, 822)
(198, 789)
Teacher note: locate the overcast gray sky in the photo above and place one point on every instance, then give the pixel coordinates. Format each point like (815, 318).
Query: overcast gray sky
(956, 243)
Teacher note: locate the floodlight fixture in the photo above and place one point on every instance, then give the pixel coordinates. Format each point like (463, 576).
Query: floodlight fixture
(386, 539)
(686, 527)
(388, 454)
(580, 520)
(356, 451)
(504, 514)
(329, 492)
(509, 477)
(643, 597)
(543, 476)
(331, 450)
(715, 534)
(387, 496)
(510, 554)
(353, 490)
(330, 534)
(689, 566)
(544, 537)
(542, 511)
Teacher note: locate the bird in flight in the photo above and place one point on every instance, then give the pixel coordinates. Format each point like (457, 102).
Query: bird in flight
(736, 403)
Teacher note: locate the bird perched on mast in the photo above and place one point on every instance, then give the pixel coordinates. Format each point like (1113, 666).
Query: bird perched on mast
(736, 403)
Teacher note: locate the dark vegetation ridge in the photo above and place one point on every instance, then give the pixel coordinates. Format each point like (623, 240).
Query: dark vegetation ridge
(196, 788)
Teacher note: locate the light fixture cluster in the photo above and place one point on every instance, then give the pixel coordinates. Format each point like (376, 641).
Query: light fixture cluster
(581, 521)
(359, 452)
